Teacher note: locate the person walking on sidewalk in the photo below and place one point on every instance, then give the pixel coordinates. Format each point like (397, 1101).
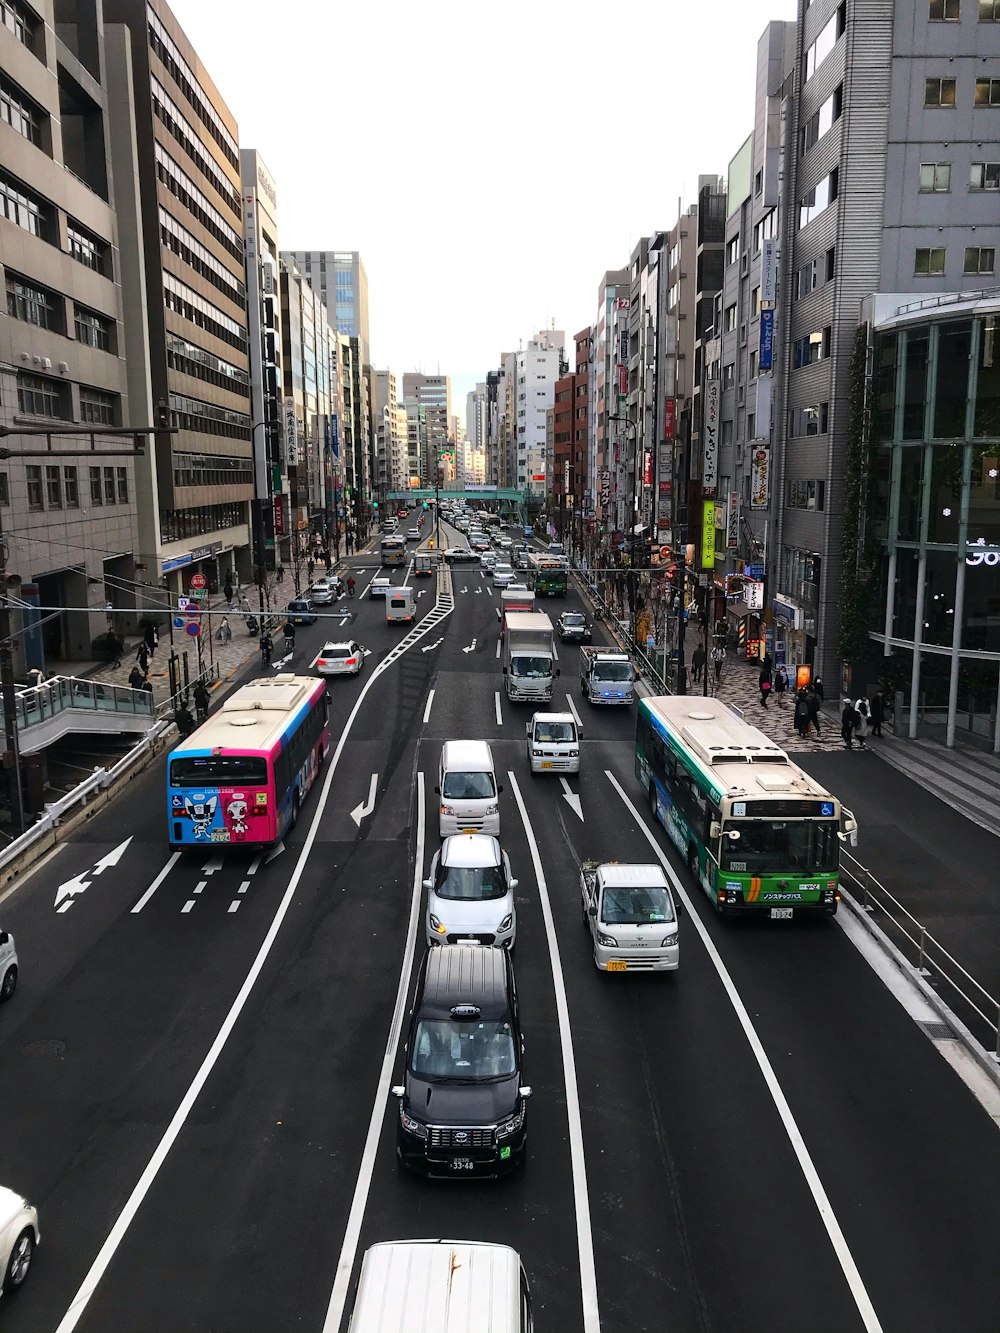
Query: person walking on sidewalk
(801, 714)
(780, 686)
(279, 576)
(149, 638)
(861, 726)
(818, 687)
(116, 646)
(201, 700)
(224, 633)
(847, 720)
(227, 591)
(877, 713)
(697, 664)
(764, 685)
(812, 704)
(718, 658)
(142, 657)
(136, 677)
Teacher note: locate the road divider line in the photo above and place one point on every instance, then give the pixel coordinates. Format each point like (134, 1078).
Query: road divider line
(427, 710)
(244, 886)
(234, 905)
(498, 649)
(572, 709)
(200, 888)
(349, 1249)
(186, 908)
(841, 1249)
(581, 1193)
(142, 1187)
(496, 704)
(157, 882)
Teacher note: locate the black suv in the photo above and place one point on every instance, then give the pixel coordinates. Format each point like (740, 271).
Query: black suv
(462, 1107)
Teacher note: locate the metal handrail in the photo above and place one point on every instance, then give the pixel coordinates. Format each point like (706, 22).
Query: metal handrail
(873, 896)
(38, 703)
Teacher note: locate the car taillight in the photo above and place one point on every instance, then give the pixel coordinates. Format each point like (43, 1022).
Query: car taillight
(349, 661)
(320, 661)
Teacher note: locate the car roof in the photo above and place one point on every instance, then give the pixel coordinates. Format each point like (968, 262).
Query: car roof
(333, 644)
(462, 974)
(468, 756)
(632, 876)
(553, 717)
(470, 850)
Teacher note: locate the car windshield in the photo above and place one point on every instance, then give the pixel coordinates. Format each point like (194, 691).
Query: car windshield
(551, 733)
(531, 666)
(468, 786)
(471, 884)
(573, 618)
(636, 906)
(772, 846)
(616, 671)
(448, 1048)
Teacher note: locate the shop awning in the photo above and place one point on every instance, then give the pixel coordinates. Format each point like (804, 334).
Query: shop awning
(737, 610)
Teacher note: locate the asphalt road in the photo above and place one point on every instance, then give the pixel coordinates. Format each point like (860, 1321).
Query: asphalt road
(768, 1141)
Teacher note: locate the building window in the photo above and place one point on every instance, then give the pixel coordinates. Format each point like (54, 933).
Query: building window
(805, 280)
(985, 175)
(989, 11)
(27, 210)
(53, 488)
(86, 248)
(822, 120)
(20, 112)
(38, 396)
(758, 184)
(811, 420)
(34, 304)
(93, 329)
(819, 198)
(944, 11)
(806, 495)
(754, 357)
(825, 42)
(729, 319)
(122, 474)
(831, 263)
(33, 475)
(71, 488)
(98, 408)
(935, 177)
(755, 303)
(979, 259)
(729, 375)
(109, 485)
(732, 250)
(813, 347)
(96, 494)
(939, 92)
(929, 262)
(988, 92)
(18, 19)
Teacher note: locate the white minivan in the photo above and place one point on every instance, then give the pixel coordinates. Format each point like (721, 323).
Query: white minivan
(468, 789)
(8, 965)
(441, 1286)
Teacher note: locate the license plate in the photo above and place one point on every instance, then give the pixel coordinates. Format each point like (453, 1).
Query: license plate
(617, 965)
(781, 913)
(461, 1164)
(470, 830)
(546, 763)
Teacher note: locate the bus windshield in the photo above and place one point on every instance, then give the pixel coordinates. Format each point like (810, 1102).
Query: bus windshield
(766, 846)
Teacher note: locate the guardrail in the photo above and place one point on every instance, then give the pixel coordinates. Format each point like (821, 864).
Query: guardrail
(971, 1001)
(38, 703)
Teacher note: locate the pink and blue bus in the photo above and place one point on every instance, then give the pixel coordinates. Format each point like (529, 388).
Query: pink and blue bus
(241, 777)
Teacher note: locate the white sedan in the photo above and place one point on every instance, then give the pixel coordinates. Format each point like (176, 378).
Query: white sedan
(340, 659)
(19, 1237)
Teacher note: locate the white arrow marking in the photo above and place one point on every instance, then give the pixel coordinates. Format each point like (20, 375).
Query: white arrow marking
(212, 866)
(112, 858)
(363, 810)
(367, 652)
(431, 646)
(281, 662)
(465, 589)
(274, 853)
(572, 798)
(471, 648)
(70, 889)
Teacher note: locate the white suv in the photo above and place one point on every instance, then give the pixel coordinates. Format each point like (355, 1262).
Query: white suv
(470, 893)
(8, 965)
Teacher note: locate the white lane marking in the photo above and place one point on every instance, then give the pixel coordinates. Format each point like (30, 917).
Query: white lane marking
(574, 802)
(255, 863)
(112, 858)
(157, 882)
(349, 1249)
(200, 888)
(498, 648)
(363, 810)
(496, 705)
(555, 650)
(186, 908)
(427, 710)
(244, 886)
(124, 1220)
(581, 1195)
(234, 905)
(823, 1206)
(32, 870)
(66, 906)
(70, 888)
(572, 709)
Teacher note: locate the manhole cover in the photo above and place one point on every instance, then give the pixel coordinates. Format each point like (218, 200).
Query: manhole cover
(44, 1050)
(937, 1031)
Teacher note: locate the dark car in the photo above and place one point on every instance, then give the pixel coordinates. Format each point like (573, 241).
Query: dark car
(574, 626)
(300, 611)
(462, 1106)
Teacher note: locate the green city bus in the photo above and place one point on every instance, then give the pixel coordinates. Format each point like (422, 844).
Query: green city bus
(758, 834)
(550, 573)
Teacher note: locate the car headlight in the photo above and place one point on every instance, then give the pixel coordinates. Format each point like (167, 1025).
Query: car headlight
(447, 810)
(506, 923)
(574, 754)
(669, 940)
(437, 926)
(608, 941)
(538, 753)
(512, 1125)
(410, 1125)
(493, 809)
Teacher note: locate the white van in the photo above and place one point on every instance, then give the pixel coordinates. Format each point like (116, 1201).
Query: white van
(554, 743)
(441, 1286)
(468, 789)
(400, 604)
(8, 965)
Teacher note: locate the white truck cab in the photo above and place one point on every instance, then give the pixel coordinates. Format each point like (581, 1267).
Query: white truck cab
(554, 743)
(631, 915)
(8, 965)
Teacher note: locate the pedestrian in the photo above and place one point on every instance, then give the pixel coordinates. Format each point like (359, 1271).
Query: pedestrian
(818, 687)
(289, 632)
(847, 720)
(147, 687)
(328, 561)
(812, 703)
(310, 567)
(266, 648)
(227, 591)
(801, 714)
(36, 675)
(718, 658)
(185, 722)
(697, 664)
(201, 700)
(136, 677)
(877, 713)
(149, 637)
(280, 575)
(780, 686)
(142, 656)
(224, 633)
(116, 645)
(861, 726)
(767, 664)
(764, 685)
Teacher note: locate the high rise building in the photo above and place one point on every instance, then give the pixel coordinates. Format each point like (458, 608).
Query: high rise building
(606, 380)
(536, 369)
(72, 538)
(570, 428)
(427, 399)
(390, 433)
(340, 280)
(182, 258)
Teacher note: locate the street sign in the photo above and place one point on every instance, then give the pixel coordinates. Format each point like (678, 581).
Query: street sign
(754, 571)
(183, 603)
(179, 622)
(198, 594)
(198, 580)
(664, 552)
(192, 628)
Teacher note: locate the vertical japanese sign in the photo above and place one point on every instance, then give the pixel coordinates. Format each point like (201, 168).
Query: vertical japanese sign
(710, 460)
(669, 418)
(647, 468)
(760, 475)
(733, 521)
(768, 271)
(766, 339)
(279, 516)
(708, 534)
(291, 433)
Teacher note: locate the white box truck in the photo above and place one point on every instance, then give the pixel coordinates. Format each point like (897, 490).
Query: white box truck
(529, 667)
(606, 676)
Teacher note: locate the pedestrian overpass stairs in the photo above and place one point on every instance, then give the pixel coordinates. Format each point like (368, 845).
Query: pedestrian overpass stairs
(64, 704)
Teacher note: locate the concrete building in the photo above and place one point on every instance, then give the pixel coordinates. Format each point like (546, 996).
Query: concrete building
(427, 399)
(355, 435)
(536, 369)
(341, 281)
(71, 534)
(390, 434)
(184, 281)
(605, 381)
(476, 417)
(570, 456)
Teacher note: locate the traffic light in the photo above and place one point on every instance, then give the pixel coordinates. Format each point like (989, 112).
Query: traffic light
(374, 504)
(426, 506)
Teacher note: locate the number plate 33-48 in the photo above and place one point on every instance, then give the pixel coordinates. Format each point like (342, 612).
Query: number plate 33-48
(461, 1164)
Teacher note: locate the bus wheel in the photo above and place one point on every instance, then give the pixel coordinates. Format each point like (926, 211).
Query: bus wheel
(654, 803)
(295, 811)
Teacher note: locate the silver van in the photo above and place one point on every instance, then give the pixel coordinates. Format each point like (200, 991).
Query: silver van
(442, 1286)
(468, 789)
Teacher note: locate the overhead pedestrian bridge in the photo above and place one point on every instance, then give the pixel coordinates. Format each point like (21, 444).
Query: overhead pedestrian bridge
(47, 712)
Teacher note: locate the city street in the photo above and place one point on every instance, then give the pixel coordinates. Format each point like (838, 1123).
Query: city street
(197, 1057)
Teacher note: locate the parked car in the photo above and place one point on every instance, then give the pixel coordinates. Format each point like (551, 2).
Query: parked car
(346, 658)
(19, 1238)
(470, 893)
(574, 627)
(300, 611)
(458, 554)
(8, 965)
(326, 590)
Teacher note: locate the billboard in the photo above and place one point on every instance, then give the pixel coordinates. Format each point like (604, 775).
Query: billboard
(768, 271)
(710, 459)
(766, 340)
(760, 475)
(669, 418)
(733, 521)
(708, 534)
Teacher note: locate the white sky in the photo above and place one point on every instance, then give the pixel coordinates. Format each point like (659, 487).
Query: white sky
(490, 162)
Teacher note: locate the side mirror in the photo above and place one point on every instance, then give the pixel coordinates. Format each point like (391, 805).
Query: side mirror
(525, 1093)
(5, 936)
(513, 885)
(715, 829)
(591, 910)
(527, 728)
(558, 672)
(398, 1090)
(437, 791)
(500, 789)
(428, 884)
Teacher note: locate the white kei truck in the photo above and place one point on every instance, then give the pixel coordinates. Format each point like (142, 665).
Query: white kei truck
(631, 914)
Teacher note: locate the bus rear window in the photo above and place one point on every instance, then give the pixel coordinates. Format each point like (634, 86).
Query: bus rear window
(218, 770)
